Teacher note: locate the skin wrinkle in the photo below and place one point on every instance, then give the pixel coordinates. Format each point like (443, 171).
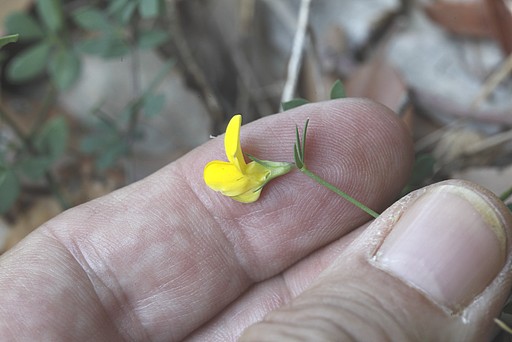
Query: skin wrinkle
(44, 304)
(324, 257)
(254, 237)
(124, 308)
(317, 324)
(225, 232)
(242, 315)
(10, 334)
(282, 291)
(284, 330)
(96, 281)
(321, 308)
(76, 255)
(205, 298)
(276, 297)
(267, 250)
(303, 330)
(371, 306)
(227, 235)
(15, 315)
(373, 303)
(158, 215)
(203, 292)
(278, 288)
(292, 291)
(288, 286)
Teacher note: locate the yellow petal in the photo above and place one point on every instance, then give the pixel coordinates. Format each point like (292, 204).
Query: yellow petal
(257, 173)
(236, 179)
(248, 197)
(226, 178)
(257, 176)
(232, 142)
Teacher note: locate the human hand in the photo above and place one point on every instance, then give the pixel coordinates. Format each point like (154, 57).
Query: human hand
(167, 258)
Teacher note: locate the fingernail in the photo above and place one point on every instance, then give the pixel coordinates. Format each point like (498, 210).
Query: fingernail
(450, 244)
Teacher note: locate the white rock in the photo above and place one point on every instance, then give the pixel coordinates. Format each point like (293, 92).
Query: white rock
(447, 73)
(182, 125)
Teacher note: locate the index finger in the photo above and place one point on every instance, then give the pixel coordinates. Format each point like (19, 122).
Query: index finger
(162, 256)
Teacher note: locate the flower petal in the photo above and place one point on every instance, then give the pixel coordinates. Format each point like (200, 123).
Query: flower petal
(248, 197)
(226, 178)
(232, 142)
(257, 173)
(257, 176)
(235, 178)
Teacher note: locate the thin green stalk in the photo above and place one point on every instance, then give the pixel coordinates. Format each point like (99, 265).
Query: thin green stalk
(504, 196)
(339, 192)
(299, 155)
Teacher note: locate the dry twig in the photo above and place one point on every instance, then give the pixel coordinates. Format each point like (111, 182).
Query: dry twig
(192, 67)
(493, 81)
(490, 142)
(297, 51)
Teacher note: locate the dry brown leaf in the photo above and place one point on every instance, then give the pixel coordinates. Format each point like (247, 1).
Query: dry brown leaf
(454, 144)
(501, 23)
(465, 18)
(379, 81)
(479, 18)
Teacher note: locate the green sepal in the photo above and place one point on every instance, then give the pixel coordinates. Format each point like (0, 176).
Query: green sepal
(275, 169)
(8, 39)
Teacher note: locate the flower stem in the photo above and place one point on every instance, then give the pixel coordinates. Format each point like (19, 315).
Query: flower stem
(331, 187)
(504, 196)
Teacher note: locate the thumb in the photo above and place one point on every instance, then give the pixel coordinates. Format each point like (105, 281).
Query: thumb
(435, 266)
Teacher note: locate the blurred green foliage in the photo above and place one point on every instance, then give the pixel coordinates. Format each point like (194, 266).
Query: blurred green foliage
(422, 173)
(337, 92)
(107, 33)
(54, 41)
(50, 49)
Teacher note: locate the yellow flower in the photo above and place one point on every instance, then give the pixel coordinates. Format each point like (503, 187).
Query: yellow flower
(235, 178)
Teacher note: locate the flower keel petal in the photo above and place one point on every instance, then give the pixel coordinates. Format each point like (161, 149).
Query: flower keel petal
(226, 178)
(248, 197)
